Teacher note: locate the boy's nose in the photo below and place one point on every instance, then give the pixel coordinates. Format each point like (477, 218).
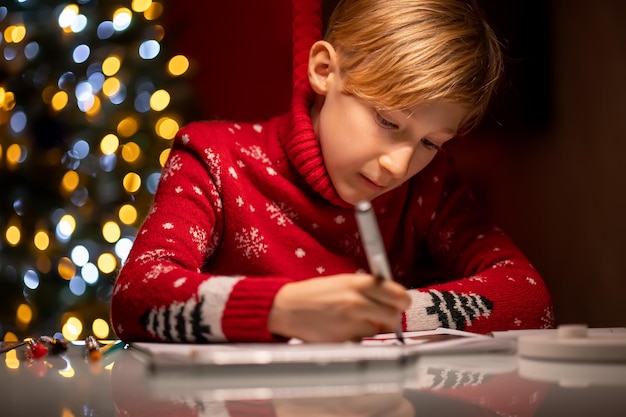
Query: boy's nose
(397, 161)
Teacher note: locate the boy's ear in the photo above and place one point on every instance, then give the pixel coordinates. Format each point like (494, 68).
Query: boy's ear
(322, 63)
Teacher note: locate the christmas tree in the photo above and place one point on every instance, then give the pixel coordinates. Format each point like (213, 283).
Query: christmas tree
(90, 99)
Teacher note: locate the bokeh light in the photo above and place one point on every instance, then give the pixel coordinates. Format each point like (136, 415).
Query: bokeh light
(79, 255)
(89, 104)
(167, 127)
(24, 315)
(72, 329)
(59, 100)
(111, 232)
(132, 182)
(154, 11)
(42, 240)
(141, 6)
(68, 15)
(107, 263)
(100, 328)
(111, 65)
(109, 144)
(128, 214)
(13, 235)
(31, 279)
(178, 65)
(160, 100)
(122, 19)
(10, 358)
(66, 268)
(128, 127)
(131, 152)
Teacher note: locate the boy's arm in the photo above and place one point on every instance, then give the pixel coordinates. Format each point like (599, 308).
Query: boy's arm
(162, 292)
(493, 285)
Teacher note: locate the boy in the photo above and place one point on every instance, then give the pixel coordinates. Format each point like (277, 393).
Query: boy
(252, 235)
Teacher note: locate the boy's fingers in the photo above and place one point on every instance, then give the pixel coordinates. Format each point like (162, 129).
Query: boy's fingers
(387, 292)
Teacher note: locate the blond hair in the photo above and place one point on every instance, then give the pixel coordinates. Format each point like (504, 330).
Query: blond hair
(400, 53)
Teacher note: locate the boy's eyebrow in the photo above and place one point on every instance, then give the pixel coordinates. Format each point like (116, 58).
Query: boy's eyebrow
(448, 131)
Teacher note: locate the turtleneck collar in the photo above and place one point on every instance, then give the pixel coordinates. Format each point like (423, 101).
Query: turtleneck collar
(302, 147)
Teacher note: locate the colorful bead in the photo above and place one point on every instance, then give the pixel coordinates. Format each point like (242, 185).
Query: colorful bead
(37, 350)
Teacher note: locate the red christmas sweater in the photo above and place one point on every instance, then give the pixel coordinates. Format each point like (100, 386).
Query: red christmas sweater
(243, 209)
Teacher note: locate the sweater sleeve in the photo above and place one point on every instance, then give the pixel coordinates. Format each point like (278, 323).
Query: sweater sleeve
(162, 292)
(490, 285)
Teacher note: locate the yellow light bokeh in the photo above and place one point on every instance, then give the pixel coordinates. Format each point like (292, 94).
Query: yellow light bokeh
(100, 328)
(141, 6)
(127, 127)
(154, 12)
(111, 86)
(128, 214)
(131, 152)
(24, 314)
(67, 224)
(70, 181)
(8, 103)
(68, 372)
(131, 182)
(159, 100)
(166, 127)
(10, 337)
(111, 65)
(107, 262)
(41, 240)
(122, 10)
(14, 153)
(163, 157)
(67, 413)
(111, 232)
(13, 235)
(66, 268)
(178, 65)
(59, 100)
(11, 360)
(18, 33)
(15, 33)
(95, 108)
(72, 329)
(109, 144)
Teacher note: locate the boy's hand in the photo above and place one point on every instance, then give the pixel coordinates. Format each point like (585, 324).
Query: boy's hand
(337, 308)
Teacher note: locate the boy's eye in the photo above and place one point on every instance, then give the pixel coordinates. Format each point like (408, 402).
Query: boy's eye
(429, 145)
(384, 123)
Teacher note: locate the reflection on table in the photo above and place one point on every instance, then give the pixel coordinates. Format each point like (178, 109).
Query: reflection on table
(120, 384)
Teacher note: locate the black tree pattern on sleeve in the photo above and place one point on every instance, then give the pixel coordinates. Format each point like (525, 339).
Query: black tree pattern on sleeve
(456, 311)
(187, 325)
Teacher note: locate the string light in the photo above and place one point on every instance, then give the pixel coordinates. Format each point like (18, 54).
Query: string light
(89, 127)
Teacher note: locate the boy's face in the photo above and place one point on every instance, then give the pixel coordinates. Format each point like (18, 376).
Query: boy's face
(368, 152)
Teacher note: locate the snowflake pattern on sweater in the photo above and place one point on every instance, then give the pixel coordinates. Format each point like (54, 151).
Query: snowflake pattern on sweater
(243, 209)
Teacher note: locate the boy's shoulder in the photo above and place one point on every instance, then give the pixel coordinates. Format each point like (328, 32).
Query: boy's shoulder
(228, 137)
(227, 128)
